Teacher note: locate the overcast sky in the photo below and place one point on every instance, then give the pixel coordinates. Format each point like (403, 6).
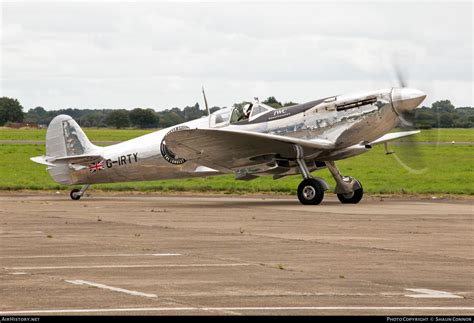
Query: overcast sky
(159, 54)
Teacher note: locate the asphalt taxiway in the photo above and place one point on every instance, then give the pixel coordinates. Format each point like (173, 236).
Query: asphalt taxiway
(168, 254)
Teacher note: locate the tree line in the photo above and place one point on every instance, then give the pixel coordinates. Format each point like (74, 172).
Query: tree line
(441, 114)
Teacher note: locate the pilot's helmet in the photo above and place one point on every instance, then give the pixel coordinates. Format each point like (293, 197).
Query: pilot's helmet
(247, 108)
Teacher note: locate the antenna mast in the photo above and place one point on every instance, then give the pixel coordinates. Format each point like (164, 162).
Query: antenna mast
(207, 107)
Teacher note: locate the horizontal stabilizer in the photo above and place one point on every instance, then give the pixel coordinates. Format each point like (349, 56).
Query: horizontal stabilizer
(78, 159)
(41, 160)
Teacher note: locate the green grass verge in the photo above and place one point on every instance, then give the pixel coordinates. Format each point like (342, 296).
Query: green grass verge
(94, 134)
(450, 171)
(442, 135)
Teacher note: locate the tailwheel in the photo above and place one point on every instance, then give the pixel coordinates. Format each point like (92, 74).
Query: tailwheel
(310, 192)
(352, 197)
(75, 194)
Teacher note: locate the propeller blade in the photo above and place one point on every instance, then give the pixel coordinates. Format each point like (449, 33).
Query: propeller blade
(407, 120)
(399, 74)
(408, 152)
(400, 77)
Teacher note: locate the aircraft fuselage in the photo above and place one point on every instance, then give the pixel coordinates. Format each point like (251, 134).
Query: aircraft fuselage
(346, 120)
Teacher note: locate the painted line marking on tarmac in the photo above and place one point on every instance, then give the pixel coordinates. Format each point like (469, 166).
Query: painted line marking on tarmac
(430, 293)
(96, 255)
(29, 235)
(115, 289)
(126, 266)
(270, 308)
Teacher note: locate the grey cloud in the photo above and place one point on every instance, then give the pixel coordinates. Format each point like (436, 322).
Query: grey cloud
(158, 54)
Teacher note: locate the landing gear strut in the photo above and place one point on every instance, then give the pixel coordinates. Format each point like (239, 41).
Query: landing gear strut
(76, 194)
(348, 189)
(311, 190)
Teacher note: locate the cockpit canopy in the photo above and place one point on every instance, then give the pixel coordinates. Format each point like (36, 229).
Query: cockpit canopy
(248, 112)
(241, 114)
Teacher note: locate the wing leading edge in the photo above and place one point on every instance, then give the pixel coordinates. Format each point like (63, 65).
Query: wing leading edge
(394, 135)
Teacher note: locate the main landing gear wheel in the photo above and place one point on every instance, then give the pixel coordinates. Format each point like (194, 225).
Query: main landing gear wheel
(310, 192)
(75, 195)
(353, 197)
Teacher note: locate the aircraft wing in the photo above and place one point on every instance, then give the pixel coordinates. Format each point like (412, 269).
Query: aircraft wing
(393, 136)
(226, 150)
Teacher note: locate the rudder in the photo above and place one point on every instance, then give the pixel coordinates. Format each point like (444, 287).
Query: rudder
(65, 137)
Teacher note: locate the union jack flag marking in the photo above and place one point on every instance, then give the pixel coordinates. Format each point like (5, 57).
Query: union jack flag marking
(96, 166)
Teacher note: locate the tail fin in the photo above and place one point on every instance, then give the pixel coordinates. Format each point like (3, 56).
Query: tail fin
(65, 138)
(66, 143)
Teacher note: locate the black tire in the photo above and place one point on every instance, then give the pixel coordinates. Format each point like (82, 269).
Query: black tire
(310, 192)
(352, 198)
(74, 194)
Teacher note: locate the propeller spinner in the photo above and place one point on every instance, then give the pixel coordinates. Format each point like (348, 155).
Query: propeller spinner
(405, 101)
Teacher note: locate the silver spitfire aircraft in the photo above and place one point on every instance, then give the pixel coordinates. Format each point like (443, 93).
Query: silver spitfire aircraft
(250, 141)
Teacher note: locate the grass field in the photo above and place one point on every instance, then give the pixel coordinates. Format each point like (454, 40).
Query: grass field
(450, 171)
(106, 134)
(94, 134)
(443, 135)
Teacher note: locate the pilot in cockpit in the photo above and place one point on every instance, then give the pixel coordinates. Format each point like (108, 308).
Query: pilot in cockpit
(241, 113)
